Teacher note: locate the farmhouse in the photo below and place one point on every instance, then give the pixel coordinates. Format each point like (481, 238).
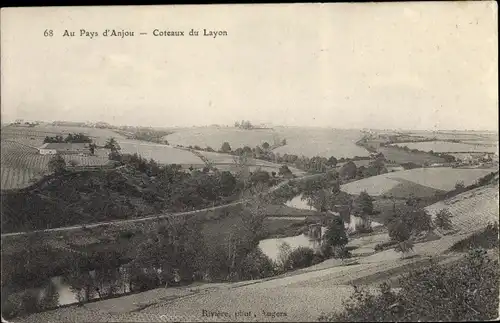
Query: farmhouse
(64, 148)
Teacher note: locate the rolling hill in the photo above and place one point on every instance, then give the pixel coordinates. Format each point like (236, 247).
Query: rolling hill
(309, 142)
(425, 181)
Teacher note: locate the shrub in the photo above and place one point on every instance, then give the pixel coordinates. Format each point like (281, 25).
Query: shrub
(443, 220)
(126, 235)
(487, 239)
(57, 164)
(256, 265)
(385, 245)
(299, 258)
(469, 292)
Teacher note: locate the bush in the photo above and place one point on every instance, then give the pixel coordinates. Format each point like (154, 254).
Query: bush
(256, 265)
(57, 164)
(299, 258)
(487, 239)
(385, 245)
(443, 220)
(469, 292)
(126, 235)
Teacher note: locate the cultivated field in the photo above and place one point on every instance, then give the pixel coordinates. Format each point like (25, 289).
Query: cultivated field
(440, 179)
(471, 210)
(445, 147)
(300, 141)
(322, 142)
(457, 135)
(226, 162)
(21, 164)
(214, 137)
(34, 136)
(163, 154)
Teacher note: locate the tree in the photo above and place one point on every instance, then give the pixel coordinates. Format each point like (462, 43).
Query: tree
(336, 237)
(284, 171)
(332, 161)
(260, 176)
(92, 148)
(363, 205)
(412, 201)
(73, 163)
(265, 145)
(399, 231)
(225, 148)
(112, 144)
(348, 170)
(460, 186)
(115, 155)
(227, 183)
(57, 164)
(443, 220)
(284, 251)
(242, 169)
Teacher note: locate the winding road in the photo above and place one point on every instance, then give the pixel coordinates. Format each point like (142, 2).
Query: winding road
(149, 218)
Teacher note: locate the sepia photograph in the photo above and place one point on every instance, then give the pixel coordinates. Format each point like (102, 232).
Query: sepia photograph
(250, 163)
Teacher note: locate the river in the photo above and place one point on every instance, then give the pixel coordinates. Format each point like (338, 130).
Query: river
(64, 294)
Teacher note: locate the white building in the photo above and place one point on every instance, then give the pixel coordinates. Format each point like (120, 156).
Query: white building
(63, 148)
(45, 150)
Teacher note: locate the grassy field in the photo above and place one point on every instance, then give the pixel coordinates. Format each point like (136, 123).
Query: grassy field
(471, 210)
(441, 179)
(400, 156)
(225, 162)
(445, 146)
(300, 141)
(163, 154)
(20, 164)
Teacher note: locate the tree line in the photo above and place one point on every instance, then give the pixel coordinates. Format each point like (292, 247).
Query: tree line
(70, 138)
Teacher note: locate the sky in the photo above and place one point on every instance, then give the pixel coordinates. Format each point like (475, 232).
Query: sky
(386, 66)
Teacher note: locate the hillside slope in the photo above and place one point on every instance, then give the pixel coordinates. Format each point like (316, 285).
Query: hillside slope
(471, 210)
(439, 178)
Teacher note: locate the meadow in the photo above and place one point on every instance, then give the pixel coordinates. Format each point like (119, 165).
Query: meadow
(439, 179)
(309, 142)
(446, 147)
(401, 156)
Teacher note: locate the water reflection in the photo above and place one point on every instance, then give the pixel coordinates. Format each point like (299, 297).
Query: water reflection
(298, 203)
(270, 247)
(64, 290)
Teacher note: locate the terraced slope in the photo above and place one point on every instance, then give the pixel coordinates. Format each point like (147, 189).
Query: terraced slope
(21, 164)
(471, 210)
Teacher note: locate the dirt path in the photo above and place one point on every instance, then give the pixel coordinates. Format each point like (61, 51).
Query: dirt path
(149, 218)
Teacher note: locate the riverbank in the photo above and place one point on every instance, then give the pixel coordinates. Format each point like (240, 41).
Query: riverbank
(301, 295)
